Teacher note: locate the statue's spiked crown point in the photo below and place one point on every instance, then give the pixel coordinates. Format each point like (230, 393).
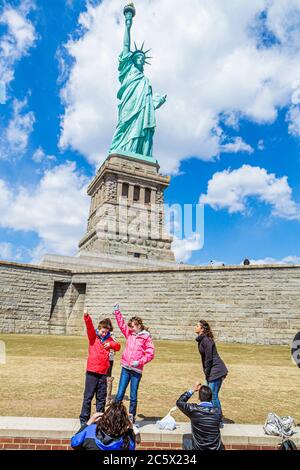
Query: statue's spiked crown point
(141, 51)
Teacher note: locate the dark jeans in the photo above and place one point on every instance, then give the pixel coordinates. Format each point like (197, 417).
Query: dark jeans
(187, 442)
(215, 386)
(94, 384)
(109, 372)
(134, 378)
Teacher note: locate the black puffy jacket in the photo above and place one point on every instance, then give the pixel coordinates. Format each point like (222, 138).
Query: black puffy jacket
(295, 351)
(205, 423)
(213, 366)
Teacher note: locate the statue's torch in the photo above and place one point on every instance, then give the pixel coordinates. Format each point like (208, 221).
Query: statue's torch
(129, 11)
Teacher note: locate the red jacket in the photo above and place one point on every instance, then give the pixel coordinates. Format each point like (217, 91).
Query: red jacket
(98, 359)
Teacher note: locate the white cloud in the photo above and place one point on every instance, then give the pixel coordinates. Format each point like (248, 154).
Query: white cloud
(293, 114)
(14, 140)
(70, 3)
(39, 156)
(18, 39)
(56, 209)
(270, 260)
(9, 252)
(38, 252)
(208, 58)
(261, 144)
(184, 248)
(5, 250)
(231, 190)
(237, 145)
(296, 93)
(283, 20)
(291, 260)
(231, 119)
(15, 43)
(293, 119)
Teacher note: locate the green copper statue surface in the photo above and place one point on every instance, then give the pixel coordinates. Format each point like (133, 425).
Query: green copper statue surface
(136, 117)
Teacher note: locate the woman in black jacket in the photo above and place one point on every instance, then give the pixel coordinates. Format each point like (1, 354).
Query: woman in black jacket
(214, 368)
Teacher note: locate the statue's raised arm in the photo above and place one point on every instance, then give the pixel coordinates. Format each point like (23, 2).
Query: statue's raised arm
(129, 13)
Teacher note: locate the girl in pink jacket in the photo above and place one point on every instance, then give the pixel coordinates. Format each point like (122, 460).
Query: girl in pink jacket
(138, 351)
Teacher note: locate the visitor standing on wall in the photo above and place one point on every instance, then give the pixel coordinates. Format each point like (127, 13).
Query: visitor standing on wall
(100, 343)
(139, 350)
(214, 368)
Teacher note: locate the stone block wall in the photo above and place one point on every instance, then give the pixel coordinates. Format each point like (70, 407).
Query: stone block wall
(247, 305)
(256, 304)
(26, 295)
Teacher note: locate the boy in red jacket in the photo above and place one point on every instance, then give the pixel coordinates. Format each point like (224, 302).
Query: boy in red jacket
(100, 343)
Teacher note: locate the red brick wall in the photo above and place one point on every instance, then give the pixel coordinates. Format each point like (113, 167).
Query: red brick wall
(24, 443)
(159, 446)
(249, 447)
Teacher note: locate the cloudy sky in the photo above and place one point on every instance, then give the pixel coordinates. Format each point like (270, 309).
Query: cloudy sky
(228, 135)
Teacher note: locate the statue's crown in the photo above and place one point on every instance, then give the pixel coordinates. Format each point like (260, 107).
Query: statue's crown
(141, 51)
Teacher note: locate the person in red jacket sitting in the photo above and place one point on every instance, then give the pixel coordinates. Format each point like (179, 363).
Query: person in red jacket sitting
(100, 344)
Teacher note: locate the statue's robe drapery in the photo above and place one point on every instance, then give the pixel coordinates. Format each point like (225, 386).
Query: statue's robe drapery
(136, 122)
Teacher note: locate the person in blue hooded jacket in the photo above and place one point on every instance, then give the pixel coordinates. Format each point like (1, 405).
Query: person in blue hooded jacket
(111, 430)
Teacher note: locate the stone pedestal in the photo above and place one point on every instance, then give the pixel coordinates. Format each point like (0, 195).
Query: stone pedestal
(127, 212)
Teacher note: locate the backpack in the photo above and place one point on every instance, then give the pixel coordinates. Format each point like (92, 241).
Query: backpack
(276, 426)
(287, 444)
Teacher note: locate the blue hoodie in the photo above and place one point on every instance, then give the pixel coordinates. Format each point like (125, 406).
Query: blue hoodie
(89, 438)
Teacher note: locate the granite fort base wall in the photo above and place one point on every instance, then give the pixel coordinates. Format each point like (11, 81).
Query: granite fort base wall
(26, 294)
(256, 304)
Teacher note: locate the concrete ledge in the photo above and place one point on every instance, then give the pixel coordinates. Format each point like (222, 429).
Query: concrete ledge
(89, 262)
(19, 431)
(133, 269)
(52, 428)
(34, 267)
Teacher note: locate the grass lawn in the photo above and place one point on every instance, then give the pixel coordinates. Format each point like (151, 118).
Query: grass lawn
(44, 376)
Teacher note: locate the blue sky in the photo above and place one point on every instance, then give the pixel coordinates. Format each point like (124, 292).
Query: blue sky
(229, 133)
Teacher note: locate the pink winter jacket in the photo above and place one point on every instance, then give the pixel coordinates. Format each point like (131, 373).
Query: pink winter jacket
(139, 347)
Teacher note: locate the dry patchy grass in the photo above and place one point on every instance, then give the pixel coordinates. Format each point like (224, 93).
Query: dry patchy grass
(44, 376)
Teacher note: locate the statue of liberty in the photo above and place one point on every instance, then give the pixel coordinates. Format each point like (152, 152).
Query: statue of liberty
(136, 116)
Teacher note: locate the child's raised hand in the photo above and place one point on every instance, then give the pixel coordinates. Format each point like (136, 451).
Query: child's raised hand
(116, 307)
(86, 314)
